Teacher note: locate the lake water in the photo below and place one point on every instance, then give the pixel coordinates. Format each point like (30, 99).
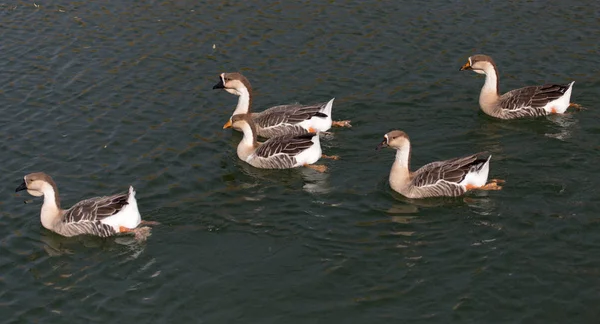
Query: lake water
(102, 95)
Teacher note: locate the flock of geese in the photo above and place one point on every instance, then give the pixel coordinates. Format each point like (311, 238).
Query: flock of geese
(291, 134)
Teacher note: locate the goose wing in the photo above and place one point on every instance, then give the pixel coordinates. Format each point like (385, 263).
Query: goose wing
(96, 209)
(288, 114)
(453, 170)
(534, 97)
(287, 145)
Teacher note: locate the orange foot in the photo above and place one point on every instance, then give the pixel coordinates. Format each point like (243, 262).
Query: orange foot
(312, 130)
(576, 106)
(493, 185)
(317, 167)
(123, 229)
(341, 123)
(500, 181)
(490, 186)
(333, 157)
(553, 110)
(145, 222)
(140, 233)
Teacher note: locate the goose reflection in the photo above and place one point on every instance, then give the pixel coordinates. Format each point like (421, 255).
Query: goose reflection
(314, 182)
(57, 245)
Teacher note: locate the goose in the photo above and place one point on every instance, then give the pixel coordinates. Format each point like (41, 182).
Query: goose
(532, 101)
(280, 152)
(449, 178)
(279, 120)
(99, 216)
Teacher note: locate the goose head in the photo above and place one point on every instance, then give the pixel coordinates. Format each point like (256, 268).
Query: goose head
(242, 121)
(37, 184)
(395, 139)
(480, 63)
(234, 83)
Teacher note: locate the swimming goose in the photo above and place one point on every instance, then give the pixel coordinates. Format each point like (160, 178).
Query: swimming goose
(530, 101)
(279, 120)
(100, 216)
(280, 152)
(452, 177)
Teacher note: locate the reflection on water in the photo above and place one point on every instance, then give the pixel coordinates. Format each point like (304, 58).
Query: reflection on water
(107, 94)
(56, 245)
(494, 129)
(566, 123)
(481, 205)
(315, 182)
(72, 263)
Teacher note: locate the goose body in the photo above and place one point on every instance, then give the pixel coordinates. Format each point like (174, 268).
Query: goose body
(532, 101)
(293, 119)
(281, 120)
(452, 177)
(280, 152)
(99, 216)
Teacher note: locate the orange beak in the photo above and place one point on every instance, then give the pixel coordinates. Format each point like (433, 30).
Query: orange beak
(467, 66)
(227, 124)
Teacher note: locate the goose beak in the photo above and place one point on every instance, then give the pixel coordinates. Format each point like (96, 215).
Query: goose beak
(219, 85)
(467, 66)
(227, 124)
(382, 145)
(22, 186)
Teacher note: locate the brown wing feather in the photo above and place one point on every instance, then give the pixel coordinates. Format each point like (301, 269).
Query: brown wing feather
(536, 96)
(289, 145)
(95, 209)
(453, 170)
(288, 114)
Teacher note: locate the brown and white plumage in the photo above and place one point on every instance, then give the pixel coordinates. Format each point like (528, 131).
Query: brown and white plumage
(292, 119)
(280, 152)
(451, 177)
(99, 216)
(530, 101)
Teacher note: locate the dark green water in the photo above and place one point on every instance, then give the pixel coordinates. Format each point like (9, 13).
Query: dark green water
(103, 95)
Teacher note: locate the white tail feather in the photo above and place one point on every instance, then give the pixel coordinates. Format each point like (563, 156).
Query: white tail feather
(477, 178)
(320, 124)
(328, 107)
(311, 154)
(561, 104)
(129, 216)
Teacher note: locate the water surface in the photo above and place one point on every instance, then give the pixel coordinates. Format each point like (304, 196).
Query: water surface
(104, 95)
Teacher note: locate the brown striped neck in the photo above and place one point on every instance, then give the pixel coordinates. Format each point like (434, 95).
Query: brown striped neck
(244, 105)
(489, 95)
(400, 173)
(249, 90)
(51, 212)
(492, 82)
(403, 155)
(55, 191)
(237, 84)
(484, 64)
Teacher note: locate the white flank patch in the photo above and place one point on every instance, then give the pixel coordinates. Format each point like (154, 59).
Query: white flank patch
(320, 124)
(561, 104)
(477, 178)
(128, 217)
(310, 155)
